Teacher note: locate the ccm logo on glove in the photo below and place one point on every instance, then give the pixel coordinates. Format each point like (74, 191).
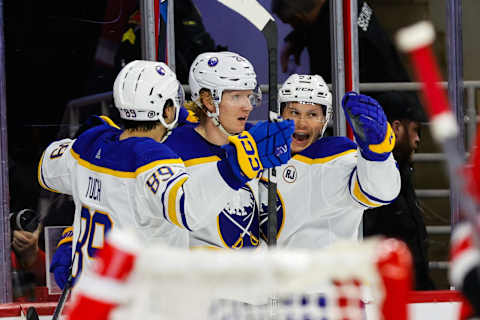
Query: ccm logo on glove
(248, 160)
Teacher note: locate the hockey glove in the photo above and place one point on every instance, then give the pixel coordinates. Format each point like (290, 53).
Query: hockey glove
(373, 133)
(265, 145)
(62, 258)
(273, 140)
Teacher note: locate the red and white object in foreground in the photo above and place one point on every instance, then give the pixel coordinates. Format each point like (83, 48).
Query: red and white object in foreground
(417, 40)
(344, 281)
(102, 290)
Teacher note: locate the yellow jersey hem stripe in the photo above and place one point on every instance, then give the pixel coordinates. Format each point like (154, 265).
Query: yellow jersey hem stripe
(308, 160)
(122, 174)
(197, 161)
(172, 199)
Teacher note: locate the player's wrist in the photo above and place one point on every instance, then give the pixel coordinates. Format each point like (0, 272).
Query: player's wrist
(230, 170)
(378, 151)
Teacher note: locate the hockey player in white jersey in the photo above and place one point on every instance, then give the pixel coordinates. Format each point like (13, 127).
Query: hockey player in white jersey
(128, 178)
(224, 90)
(329, 181)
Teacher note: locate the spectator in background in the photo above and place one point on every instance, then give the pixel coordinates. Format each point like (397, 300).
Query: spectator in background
(402, 219)
(28, 260)
(310, 19)
(26, 254)
(191, 39)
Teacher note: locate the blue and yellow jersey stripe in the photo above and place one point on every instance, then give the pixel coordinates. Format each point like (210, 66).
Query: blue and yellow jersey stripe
(320, 160)
(202, 160)
(101, 150)
(361, 196)
(173, 200)
(325, 150)
(123, 174)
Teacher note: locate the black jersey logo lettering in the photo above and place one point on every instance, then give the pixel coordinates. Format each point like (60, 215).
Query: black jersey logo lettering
(290, 174)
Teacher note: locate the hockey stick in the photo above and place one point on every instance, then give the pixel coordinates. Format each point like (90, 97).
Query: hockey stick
(417, 40)
(63, 297)
(257, 15)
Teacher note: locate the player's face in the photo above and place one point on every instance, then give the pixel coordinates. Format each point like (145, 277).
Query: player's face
(235, 108)
(408, 140)
(413, 130)
(309, 121)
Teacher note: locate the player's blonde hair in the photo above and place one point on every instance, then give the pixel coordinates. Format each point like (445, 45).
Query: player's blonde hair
(198, 107)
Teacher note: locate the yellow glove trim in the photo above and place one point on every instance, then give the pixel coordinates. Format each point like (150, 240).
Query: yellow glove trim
(247, 154)
(67, 236)
(387, 144)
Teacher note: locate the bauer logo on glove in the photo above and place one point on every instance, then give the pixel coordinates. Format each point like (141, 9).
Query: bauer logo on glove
(373, 133)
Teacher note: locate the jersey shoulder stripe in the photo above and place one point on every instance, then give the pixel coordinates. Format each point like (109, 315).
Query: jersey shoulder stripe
(192, 147)
(326, 149)
(100, 149)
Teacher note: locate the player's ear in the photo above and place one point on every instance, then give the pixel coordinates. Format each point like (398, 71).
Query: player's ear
(169, 112)
(206, 100)
(396, 127)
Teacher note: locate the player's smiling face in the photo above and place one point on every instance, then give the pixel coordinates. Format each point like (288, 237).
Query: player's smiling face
(235, 108)
(309, 121)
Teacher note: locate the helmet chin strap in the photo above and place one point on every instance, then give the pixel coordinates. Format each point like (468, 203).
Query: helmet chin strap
(216, 120)
(165, 136)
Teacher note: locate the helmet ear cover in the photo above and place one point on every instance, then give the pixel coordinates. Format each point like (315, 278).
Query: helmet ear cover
(143, 88)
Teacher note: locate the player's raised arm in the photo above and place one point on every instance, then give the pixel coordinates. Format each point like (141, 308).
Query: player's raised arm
(163, 187)
(375, 180)
(172, 193)
(54, 168)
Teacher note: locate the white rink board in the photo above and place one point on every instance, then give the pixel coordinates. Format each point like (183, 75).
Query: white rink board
(437, 311)
(418, 311)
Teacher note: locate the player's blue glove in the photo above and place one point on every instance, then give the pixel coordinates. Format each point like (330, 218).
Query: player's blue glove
(265, 145)
(373, 133)
(62, 258)
(273, 140)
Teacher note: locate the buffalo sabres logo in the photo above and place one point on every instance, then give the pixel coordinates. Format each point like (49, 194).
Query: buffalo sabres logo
(213, 61)
(238, 221)
(263, 189)
(160, 70)
(290, 174)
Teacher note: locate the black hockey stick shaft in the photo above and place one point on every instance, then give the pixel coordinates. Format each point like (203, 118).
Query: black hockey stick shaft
(270, 33)
(63, 297)
(264, 22)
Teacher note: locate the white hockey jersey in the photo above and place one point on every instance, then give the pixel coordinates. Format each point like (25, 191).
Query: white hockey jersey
(323, 191)
(236, 224)
(134, 183)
